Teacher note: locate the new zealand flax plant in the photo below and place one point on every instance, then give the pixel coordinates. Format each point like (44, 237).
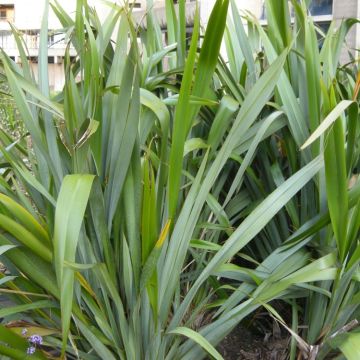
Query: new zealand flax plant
(158, 170)
(321, 223)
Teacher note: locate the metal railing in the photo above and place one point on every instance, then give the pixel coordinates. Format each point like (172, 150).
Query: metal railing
(32, 42)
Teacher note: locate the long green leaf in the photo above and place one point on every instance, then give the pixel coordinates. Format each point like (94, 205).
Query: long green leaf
(186, 223)
(350, 347)
(198, 339)
(42, 304)
(259, 217)
(179, 130)
(328, 121)
(70, 209)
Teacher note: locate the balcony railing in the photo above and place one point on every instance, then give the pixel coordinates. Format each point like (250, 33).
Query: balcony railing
(7, 18)
(32, 42)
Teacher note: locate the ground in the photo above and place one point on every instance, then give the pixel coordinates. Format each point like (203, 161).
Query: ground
(242, 344)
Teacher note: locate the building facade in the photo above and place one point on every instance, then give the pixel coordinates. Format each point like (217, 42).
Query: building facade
(26, 17)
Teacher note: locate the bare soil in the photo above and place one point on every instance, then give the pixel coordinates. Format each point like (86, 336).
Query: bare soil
(242, 344)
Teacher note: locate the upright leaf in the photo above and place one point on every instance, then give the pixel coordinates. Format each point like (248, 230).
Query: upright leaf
(70, 209)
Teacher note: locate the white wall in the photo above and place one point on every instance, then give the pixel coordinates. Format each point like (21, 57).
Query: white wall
(343, 10)
(206, 6)
(29, 13)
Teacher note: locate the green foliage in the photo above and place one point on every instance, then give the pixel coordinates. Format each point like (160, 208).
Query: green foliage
(159, 174)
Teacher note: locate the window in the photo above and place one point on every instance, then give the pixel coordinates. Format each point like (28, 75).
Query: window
(316, 8)
(324, 27)
(33, 59)
(32, 39)
(7, 13)
(135, 4)
(321, 7)
(51, 39)
(6, 40)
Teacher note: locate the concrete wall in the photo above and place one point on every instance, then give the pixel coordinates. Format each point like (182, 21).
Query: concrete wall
(348, 9)
(254, 6)
(56, 75)
(28, 13)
